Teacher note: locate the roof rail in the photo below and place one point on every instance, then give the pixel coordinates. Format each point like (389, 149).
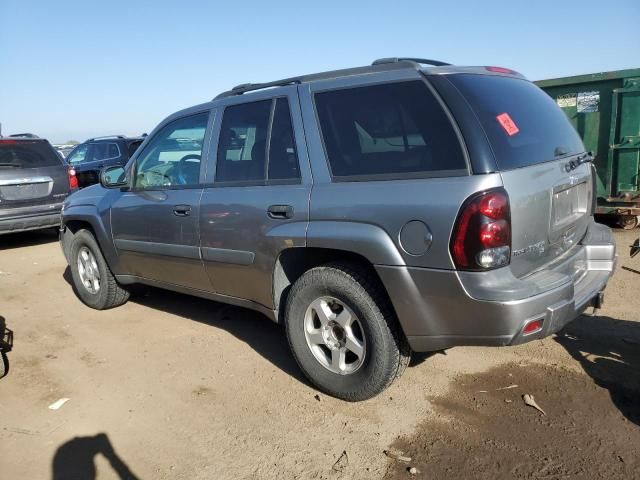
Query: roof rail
(106, 136)
(424, 61)
(249, 87)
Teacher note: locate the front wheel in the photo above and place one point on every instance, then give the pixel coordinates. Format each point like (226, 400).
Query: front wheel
(94, 283)
(343, 332)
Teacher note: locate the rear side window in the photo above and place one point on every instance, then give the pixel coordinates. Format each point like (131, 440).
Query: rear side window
(251, 152)
(242, 147)
(27, 154)
(103, 151)
(524, 124)
(283, 160)
(133, 146)
(393, 130)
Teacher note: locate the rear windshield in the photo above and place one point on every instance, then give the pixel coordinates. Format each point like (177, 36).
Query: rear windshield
(27, 154)
(524, 125)
(394, 130)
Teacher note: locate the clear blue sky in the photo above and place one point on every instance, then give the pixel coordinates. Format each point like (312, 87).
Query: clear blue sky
(72, 69)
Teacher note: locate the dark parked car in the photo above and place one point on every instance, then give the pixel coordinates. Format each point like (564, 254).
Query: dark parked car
(90, 157)
(372, 211)
(34, 181)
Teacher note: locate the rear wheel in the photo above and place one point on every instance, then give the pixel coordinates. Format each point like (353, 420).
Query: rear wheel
(94, 283)
(343, 332)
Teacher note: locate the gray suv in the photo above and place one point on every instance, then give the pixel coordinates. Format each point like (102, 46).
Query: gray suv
(410, 205)
(34, 181)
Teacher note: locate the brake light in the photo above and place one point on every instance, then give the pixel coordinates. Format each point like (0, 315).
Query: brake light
(5, 142)
(500, 70)
(73, 180)
(482, 234)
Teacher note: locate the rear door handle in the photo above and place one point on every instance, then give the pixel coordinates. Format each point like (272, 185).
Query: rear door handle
(280, 211)
(182, 210)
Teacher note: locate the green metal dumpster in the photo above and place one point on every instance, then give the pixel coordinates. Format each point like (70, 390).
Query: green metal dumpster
(605, 110)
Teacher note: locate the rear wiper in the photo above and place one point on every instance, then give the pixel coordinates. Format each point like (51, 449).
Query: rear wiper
(586, 157)
(15, 165)
(560, 151)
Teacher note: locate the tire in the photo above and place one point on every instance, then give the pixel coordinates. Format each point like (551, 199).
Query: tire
(345, 288)
(628, 222)
(108, 293)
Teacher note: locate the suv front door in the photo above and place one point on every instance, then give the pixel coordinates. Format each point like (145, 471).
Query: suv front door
(258, 204)
(155, 225)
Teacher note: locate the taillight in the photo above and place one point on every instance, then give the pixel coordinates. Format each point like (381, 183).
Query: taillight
(500, 70)
(73, 180)
(482, 234)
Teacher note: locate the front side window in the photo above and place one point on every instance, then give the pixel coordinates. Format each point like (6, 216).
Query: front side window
(78, 155)
(173, 156)
(393, 129)
(257, 143)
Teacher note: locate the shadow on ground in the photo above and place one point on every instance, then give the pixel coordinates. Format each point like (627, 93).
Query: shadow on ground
(248, 326)
(609, 351)
(28, 239)
(6, 344)
(75, 459)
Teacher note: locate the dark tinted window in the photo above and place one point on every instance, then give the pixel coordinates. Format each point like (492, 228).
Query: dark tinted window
(242, 148)
(103, 151)
(133, 146)
(392, 129)
(283, 161)
(534, 129)
(27, 154)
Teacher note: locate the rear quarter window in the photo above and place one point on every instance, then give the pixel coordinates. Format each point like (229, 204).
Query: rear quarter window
(27, 154)
(523, 124)
(393, 130)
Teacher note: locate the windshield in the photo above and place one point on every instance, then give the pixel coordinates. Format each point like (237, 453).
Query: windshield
(27, 154)
(524, 125)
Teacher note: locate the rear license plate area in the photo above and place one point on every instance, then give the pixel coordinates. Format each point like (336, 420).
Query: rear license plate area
(569, 204)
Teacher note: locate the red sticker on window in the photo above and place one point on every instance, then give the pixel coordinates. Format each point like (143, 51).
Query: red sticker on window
(508, 124)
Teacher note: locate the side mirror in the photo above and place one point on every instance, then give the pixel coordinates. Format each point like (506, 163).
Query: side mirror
(113, 177)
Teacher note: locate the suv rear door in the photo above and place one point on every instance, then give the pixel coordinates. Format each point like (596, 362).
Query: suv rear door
(534, 146)
(258, 204)
(33, 178)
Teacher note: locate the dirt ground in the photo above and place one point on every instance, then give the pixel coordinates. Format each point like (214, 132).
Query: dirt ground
(173, 387)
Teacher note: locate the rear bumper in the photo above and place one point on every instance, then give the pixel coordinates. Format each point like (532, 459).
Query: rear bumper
(439, 309)
(31, 222)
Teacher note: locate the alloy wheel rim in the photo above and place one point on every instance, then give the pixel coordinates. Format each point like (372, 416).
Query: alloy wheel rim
(88, 270)
(335, 335)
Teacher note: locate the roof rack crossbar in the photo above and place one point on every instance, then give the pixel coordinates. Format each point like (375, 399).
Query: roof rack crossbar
(105, 136)
(424, 61)
(250, 87)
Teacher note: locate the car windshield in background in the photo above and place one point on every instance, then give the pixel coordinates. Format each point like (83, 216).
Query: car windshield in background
(27, 154)
(524, 124)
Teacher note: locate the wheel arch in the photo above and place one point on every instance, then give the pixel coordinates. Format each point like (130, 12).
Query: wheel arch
(292, 263)
(77, 218)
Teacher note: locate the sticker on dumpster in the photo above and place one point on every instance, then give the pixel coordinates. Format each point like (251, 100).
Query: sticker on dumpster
(566, 100)
(588, 101)
(508, 124)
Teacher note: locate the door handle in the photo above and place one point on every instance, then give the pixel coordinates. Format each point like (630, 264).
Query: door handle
(280, 211)
(182, 210)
